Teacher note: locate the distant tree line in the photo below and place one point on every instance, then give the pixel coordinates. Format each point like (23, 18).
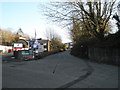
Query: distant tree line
(6, 36)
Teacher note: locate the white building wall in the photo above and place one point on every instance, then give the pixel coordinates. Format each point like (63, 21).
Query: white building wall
(5, 48)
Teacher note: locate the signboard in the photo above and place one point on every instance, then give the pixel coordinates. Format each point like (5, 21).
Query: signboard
(18, 45)
(41, 48)
(35, 45)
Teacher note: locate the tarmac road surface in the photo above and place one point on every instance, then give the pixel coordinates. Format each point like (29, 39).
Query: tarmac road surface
(60, 70)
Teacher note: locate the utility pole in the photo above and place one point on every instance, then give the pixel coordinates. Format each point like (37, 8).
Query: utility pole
(35, 34)
(35, 44)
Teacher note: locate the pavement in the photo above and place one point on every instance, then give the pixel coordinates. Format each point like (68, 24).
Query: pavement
(60, 70)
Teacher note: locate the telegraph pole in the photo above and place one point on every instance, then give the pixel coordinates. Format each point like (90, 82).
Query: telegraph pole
(35, 34)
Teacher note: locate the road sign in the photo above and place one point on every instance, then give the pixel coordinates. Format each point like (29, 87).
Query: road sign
(35, 45)
(18, 45)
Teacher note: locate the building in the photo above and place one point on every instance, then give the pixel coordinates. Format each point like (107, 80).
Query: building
(69, 44)
(30, 43)
(46, 44)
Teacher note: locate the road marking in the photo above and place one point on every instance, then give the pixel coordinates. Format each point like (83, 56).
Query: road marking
(55, 68)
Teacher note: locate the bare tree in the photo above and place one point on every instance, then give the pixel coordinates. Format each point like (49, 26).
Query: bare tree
(117, 16)
(97, 16)
(20, 33)
(49, 33)
(6, 35)
(79, 32)
(93, 15)
(55, 39)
